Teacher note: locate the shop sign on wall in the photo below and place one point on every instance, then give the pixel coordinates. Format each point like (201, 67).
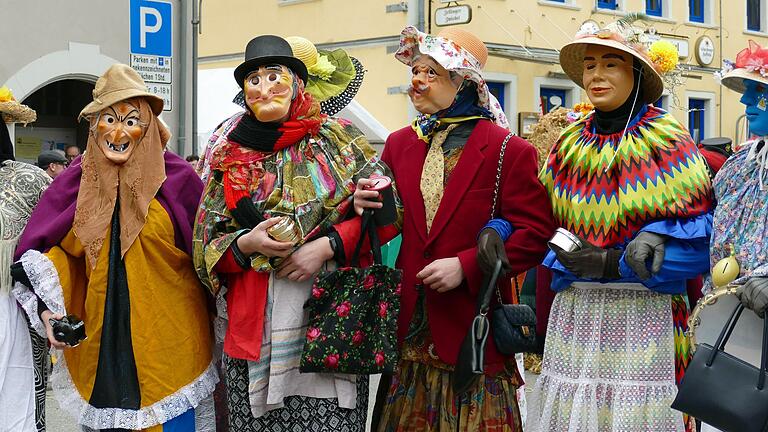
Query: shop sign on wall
(705, 50)
(453, 15)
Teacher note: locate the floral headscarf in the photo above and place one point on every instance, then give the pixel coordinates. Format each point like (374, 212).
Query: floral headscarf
(454, 58)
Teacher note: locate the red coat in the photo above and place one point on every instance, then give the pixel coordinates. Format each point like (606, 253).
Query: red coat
(465, 208)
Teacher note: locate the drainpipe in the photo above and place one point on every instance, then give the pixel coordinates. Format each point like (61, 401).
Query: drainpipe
(196, 30)
(415, 13)
(721, 65)
(182, 133)
(415, 17)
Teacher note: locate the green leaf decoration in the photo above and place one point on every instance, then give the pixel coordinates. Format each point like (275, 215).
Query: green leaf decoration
(323, 90)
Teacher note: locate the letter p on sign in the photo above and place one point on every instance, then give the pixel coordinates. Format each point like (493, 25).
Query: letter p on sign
(145, 28)
(151, 28)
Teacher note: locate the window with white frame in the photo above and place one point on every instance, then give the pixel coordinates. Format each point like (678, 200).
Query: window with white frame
(567, 3)
(290, 2)
(756, 15)
(654, 8)
(607, 4)
(504, 87)
(700, 11)
(701, 114)
(549, 93)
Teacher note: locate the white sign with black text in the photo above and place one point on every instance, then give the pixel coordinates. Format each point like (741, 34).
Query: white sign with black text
(453, 15)
(152, 68)
(163, 91)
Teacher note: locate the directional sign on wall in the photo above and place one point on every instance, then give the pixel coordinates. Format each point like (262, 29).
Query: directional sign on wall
(151, 25)
(453, 15)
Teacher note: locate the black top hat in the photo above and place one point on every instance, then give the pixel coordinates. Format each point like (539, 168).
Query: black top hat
(269, 49)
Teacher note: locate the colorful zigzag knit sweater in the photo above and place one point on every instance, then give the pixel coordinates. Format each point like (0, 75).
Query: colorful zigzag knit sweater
(657, 174)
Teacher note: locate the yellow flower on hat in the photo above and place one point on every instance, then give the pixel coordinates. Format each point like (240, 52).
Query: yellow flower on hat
(5, 94)
(664, 55)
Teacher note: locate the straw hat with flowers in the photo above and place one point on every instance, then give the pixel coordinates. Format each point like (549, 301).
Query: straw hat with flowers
(751, 64)
(12, 111)
(333, 77)
(657, 59)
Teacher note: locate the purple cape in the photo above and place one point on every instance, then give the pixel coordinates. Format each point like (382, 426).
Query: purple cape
(52, 218)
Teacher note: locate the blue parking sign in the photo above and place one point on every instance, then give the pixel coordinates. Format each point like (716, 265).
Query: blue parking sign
(151, 28)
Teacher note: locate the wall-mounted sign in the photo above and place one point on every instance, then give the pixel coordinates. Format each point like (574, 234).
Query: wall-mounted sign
(151, 25)
(453, 15)
(705, 50)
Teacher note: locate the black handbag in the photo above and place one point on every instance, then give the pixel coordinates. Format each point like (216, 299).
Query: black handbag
(469, 364)
(514, 325)
(514, 328)
(724, 391)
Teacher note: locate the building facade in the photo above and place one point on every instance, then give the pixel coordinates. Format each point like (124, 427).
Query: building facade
(523, 37)
(53, 52)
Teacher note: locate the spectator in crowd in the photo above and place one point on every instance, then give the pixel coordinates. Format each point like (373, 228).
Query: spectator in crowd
(71, 152)
(193, 159)
(52, 162)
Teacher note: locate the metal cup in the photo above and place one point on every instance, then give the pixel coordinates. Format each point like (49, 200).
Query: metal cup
(564, 240)
(284, 231)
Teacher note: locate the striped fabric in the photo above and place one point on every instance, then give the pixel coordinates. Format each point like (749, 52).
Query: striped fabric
(604, 188)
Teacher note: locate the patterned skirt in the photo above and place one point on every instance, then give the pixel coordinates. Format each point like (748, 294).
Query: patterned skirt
(609, 361)
(300, 413)
(41, 360)
(421, 399)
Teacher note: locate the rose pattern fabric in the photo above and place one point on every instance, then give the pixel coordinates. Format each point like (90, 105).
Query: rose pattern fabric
(353, 321)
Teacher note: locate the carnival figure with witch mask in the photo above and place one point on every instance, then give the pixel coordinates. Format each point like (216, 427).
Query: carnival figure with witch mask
(630, 184)
(277, 208)
(110, 242)
(740, 225)
(445, 164)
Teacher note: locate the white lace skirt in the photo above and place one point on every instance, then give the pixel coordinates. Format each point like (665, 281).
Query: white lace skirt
(609, 361)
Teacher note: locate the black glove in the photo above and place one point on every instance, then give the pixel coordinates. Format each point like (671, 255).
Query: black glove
(754, 295)
(591, 262)
(489, 249)
(645, 246)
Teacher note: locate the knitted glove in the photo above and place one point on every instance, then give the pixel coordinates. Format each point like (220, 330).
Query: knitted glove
(645, 246)
(754, 295)
(591, 262)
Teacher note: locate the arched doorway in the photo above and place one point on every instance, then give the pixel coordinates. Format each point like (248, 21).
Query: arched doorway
(57, 105)
(42, 81)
